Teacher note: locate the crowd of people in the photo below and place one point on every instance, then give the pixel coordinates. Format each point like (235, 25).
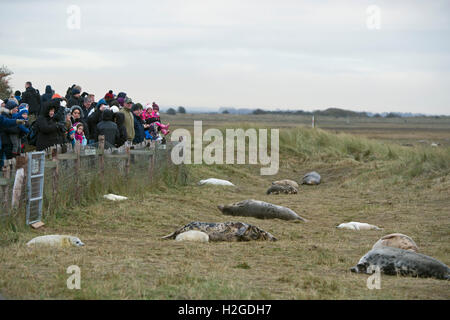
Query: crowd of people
(30, 121)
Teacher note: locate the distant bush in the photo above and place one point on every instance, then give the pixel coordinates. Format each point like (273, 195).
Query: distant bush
(181, 110)
(171, 111)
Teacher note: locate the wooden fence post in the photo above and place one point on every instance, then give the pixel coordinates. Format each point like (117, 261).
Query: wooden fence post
(6, 175)
(127, 165)
(101, 158)
(77, 171)
(55, 173)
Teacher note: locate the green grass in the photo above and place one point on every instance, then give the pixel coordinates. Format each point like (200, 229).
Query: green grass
(397, 188)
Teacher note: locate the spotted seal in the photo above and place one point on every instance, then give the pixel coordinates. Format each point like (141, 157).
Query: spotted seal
(284, 182)
(311, 178)
(397, 240)
(225, 231)
(259, 209)
(394, 261)
(281, 188)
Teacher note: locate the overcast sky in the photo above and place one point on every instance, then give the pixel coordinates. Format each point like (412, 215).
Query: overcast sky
(237, 53)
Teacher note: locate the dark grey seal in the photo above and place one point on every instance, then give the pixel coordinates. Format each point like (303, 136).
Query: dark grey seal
(394, 261)
(259, 209)
(281, 188)
(225, 231)
(311, 178)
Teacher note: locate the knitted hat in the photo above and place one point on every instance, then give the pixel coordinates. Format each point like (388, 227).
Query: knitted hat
(22, 112)
(155, 106)
(109, 95)
(75, 91)
(56, 96)
(72, 130)
(122, 95)
(147, 106)
(76, 107)
(23, 106)
(11, 104)
(17, 93)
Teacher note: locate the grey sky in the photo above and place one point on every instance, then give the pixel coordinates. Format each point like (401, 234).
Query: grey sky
(267, 54)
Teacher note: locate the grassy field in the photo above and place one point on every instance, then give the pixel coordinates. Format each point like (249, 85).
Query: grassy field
(368, 176)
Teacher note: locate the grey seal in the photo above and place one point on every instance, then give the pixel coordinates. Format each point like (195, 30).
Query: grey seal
(311, 178)
(225, 231)
(281, 188)
(259, 209)
(394, 261)
(397, 240)
(287, 182)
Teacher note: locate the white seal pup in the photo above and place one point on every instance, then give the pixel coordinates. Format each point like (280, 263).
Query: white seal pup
(114, 197)
(56, 240)
(311, 178)
(393, 261)
(357, 226)
(397, 240)
(259, 209)
(192, 235)
(216, 182)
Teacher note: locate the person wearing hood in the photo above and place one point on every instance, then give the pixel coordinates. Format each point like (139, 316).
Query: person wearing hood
(94, 118)
(33, 98)
(76, 116)
(49, 131)
(47, 96)
(119, 119)
(108, 128)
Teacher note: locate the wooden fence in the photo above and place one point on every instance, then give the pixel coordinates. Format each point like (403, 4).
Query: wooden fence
(81, 171)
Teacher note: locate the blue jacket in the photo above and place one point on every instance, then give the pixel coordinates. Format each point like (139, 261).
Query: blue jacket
(139, 134)
(5, 123)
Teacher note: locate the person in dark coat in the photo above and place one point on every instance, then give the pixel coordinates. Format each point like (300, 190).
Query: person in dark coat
(139, 134)
(47, 96)
(49, 131)
(75, 99)
(94, 119)
(108, 128)
(119, 119)
(33, 98)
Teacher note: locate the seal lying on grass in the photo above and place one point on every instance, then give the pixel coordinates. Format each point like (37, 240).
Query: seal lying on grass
(396, 240)
(277, 189)
(225, 231)
(288, 182)
(357, 226)
(55, 240)
(192, 235)
(394, 261)
(259, 209)
(311, 178)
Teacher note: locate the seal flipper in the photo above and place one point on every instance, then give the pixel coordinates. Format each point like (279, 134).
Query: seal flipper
(170, 236)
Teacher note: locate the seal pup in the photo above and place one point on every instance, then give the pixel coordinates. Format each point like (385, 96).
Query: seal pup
(192, 235)
(216, 182)
(357, 226)
(394, 261)
(225, 231)
(287, 182)
(56, 240)
(259, 209)
(281, 188)
(114, 197)
(311, 178)
(396, 240)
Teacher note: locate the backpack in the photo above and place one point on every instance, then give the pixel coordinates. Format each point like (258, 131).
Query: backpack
(32, 134)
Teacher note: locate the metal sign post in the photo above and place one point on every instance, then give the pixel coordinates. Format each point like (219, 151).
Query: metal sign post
(35, 186)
